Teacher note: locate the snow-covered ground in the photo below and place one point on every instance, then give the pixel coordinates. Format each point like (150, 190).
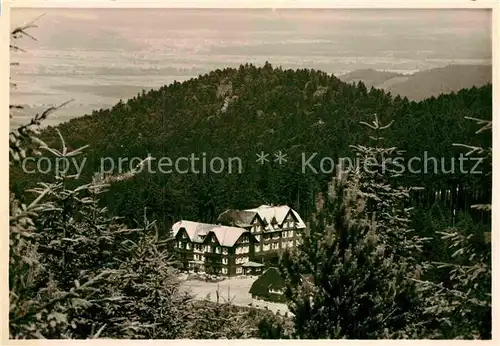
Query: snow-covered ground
(235, 288)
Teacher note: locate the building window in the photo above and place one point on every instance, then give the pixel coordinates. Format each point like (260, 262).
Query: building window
(257, 237)
(224, 250)
(239, 270)
(202, 258)
(180, 245)
(290, 243)
(275, 246)
(188, 246)
(257, 248)
(224, 260)
(267, 236)
(184, 236)
(224, 270)
(196, 257)
(217, 249)
(241, 260)
(266, 247)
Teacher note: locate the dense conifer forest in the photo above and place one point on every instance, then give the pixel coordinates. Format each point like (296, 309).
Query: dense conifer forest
(90, 273)
(270, 109)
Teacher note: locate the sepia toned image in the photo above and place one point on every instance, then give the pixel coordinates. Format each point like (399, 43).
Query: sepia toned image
(250, 173)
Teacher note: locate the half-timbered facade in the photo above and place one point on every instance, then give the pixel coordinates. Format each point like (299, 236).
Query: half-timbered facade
(214, 249)
(275, 228)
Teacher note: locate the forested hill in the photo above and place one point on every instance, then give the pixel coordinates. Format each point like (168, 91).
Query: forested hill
(241, 112)
(423, 84)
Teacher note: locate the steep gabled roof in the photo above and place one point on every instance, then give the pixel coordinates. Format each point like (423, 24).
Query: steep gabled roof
(268, 212)
(226, 236)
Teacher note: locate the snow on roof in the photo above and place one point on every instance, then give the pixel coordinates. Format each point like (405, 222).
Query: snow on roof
(252, 264)
(227, 236)
(267, 212)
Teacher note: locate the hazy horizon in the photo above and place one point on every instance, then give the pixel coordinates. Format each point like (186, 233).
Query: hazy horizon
(97, 56)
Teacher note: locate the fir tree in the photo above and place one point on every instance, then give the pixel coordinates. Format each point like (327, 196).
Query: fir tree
(343, 281)
(461, 302)
(74, 270)
(380, 168)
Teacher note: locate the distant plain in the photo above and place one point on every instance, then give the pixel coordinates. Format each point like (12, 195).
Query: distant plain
(100, 56)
